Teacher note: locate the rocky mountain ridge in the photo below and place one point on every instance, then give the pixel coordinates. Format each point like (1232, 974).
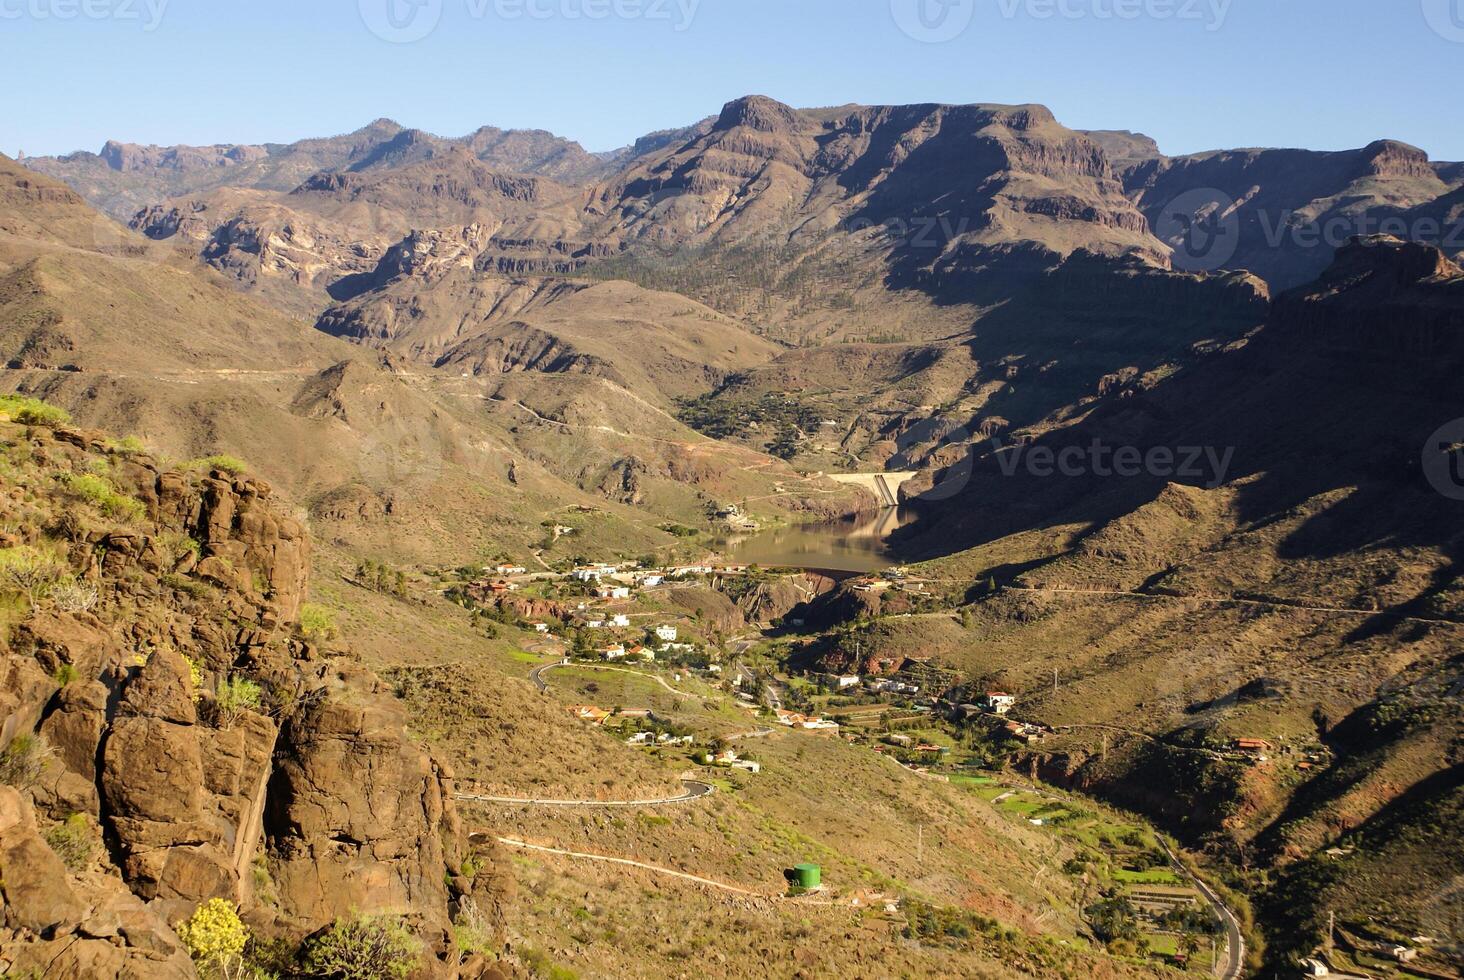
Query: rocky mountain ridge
(124, 177)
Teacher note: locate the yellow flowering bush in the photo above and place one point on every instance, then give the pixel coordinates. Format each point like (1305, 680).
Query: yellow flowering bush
(214, 935)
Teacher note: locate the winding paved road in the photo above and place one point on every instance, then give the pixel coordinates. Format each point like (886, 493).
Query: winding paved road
(1234, 938)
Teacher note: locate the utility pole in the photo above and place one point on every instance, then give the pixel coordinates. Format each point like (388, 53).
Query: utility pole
(920, 845)
(1054, 683)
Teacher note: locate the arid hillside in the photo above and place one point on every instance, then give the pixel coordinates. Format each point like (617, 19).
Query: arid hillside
(1299, 586)
(402, 458)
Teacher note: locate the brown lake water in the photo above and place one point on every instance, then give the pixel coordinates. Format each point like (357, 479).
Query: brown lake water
(856, 546)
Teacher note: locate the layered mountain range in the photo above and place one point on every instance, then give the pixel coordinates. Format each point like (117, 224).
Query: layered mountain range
(427, 344)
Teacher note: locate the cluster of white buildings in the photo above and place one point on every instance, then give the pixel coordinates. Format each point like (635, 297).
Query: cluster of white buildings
(888, 685)
(793, 719)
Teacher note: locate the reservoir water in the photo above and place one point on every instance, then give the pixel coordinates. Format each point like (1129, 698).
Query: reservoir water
(855, 546)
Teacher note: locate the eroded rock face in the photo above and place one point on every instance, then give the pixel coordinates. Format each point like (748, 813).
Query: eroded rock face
(355, 813)
(57, 924)
(305, 789)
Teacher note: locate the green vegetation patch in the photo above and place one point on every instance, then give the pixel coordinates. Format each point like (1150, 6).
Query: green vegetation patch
(32, 411)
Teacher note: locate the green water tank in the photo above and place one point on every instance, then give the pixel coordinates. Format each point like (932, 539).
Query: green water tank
(809, 875)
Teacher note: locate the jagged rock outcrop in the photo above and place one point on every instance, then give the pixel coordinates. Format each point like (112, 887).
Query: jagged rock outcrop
(771, 600)
(221, 754)
(356, 814)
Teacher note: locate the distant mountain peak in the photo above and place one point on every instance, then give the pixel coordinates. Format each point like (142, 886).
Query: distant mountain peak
(758, 112)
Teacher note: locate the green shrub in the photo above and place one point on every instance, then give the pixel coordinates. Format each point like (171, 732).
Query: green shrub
(65, 674)
(232, 697)
(29, 572)
(129, 446)
(74, 841)
(23, 760)
(215, 937)
(317, 622)
(188, 586)
(229, 464)
(32, 411)
(363, 948)
(104, 495)
(471, 930)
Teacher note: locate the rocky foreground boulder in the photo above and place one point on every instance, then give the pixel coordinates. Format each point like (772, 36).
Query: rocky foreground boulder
(172, 734)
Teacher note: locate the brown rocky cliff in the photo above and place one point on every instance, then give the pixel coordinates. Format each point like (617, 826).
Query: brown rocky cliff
(303, 803)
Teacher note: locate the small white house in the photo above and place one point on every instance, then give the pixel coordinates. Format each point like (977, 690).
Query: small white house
(999, 702)
(613, 592)
(651, 581)
(511, 570)
(616, 652)
(620, 620)
(848, 681)
(747, 765)
(667, 634)
(540, 627)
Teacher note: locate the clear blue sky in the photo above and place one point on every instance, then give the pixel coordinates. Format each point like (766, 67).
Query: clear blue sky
(1318, 73)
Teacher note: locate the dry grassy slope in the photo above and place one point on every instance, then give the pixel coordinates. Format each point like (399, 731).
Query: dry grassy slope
(613, 922)
(471, 698)
(817, 799)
